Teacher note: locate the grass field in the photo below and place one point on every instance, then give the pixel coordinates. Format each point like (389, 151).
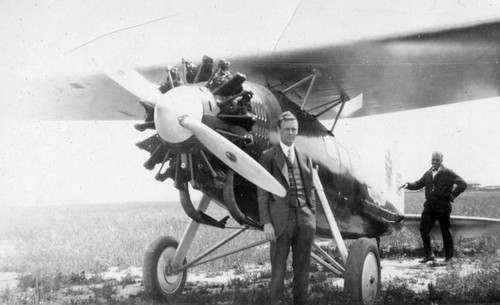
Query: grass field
(470, 203)
(64, 241)
(94, 237)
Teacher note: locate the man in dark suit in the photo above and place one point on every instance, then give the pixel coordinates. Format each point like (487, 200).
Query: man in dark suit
(442, 186)
(289, 221)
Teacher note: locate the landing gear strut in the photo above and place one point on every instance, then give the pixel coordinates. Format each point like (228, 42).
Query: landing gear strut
(362, 264)
(165, 266)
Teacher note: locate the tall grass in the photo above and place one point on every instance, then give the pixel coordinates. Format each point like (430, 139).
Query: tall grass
(57, 243)
(63, 240)
(93, 237)
(470, 203)
(74, 238)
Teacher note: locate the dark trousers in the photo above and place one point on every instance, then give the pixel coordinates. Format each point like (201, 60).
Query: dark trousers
(299, 235)
(428, 220)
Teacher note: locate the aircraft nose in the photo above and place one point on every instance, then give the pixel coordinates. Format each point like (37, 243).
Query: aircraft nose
(178, 102)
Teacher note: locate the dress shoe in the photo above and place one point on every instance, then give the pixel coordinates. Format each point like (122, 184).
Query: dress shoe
(428, 258)
(449, 260)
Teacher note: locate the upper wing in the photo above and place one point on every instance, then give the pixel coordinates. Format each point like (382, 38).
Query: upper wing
(402, 73)
(359, 48)
(462, 226)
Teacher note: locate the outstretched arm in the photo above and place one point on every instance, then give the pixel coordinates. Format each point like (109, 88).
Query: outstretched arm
(420, 183)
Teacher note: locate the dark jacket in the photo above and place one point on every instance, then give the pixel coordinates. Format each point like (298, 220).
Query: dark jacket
(272, 208)
(441, 187)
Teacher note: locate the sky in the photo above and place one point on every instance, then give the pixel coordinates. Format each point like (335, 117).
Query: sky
(63, 162)
(36, 33)
(66, 162)
(468, 141)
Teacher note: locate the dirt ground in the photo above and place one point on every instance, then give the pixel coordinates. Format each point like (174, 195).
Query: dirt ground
(418, 276)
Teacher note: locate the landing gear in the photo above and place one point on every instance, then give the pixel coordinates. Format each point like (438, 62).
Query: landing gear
(157, 274)
(362, 276)
(362, 263)
(165, 266)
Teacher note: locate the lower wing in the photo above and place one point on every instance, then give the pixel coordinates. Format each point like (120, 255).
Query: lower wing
(461, 226)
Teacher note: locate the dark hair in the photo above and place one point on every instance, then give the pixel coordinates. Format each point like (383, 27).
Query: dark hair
(286, 116)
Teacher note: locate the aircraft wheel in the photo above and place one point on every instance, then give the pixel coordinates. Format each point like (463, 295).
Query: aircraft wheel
(362, 276)
(157, 275)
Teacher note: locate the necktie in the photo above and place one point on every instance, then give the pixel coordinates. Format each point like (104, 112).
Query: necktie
(290, 156)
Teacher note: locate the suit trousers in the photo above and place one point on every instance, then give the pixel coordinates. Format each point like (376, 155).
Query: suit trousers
(428, 220)
(298, 235)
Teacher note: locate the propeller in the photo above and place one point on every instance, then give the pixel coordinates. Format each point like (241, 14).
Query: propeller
(177, 117)
(233, 156)
(134, 82)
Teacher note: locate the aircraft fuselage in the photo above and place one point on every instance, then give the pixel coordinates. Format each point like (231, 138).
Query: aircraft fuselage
(357, 212)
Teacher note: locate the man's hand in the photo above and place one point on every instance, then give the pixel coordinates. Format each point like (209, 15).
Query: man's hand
(403, 186)
(269, 232)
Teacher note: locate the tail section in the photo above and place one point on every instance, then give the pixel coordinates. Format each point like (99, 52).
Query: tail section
(463, 226)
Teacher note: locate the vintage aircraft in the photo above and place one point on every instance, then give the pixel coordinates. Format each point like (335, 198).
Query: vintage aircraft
(213, 123)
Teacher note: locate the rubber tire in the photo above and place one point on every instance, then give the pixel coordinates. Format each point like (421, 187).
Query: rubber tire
(165, 245)
(363, 258)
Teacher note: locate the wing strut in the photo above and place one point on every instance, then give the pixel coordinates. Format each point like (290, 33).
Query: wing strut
(329, 216)
(355, 105)
(316, 73)
(342, 101)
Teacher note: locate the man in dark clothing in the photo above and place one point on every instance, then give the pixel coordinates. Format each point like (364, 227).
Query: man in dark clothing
(442, 186)
(289, 222)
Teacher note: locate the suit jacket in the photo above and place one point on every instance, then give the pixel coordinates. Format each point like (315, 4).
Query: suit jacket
(272, 208)
(440, 187)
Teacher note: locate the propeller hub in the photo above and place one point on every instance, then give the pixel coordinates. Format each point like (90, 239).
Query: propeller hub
(176, 103)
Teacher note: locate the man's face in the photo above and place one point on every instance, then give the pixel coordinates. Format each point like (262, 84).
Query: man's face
(436, 161)
(288, 131)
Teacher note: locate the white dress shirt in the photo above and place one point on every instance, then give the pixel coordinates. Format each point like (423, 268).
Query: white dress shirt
(435, 171)
(286, 148)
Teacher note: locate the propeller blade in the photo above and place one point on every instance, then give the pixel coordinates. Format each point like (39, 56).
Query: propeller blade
(233, 156)
(134, 82)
